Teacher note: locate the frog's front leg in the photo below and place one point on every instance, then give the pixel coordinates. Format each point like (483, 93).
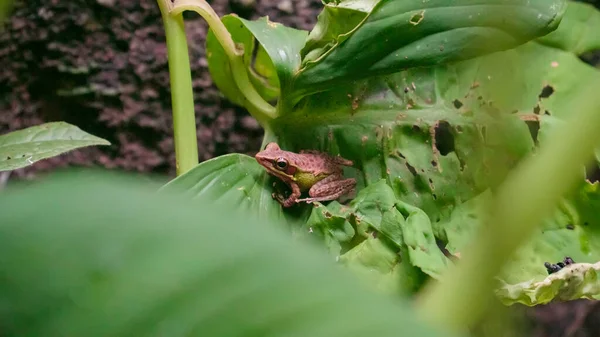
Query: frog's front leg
(292, 199)
(330, 188)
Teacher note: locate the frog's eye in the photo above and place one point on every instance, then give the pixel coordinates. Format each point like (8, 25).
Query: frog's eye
(281, 163)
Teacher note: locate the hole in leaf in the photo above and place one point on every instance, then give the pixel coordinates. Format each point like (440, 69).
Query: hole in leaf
(570, 227)
(416, 18)
(457, 104)
(444, 139)
(411, 169)
(434, 196)
(442, 246)
(592, 172)
(416, 128)
(534, 129)
(547, 91)
(591, 57)
(546, 112)
(434, 163)
(536, 110)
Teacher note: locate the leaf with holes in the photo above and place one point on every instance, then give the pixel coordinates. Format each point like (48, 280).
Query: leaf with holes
(544, 79)
(428, 138)
(403, 35)
(24, 147)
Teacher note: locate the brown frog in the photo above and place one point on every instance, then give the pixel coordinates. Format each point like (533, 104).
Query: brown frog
(316, 172)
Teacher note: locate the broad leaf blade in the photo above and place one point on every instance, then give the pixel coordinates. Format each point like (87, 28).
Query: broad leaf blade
(405, 34)
(271, 55)
(25, 147)
(137, 263)
(234, 180)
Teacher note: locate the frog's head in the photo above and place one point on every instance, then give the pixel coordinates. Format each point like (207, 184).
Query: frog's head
(277, 162)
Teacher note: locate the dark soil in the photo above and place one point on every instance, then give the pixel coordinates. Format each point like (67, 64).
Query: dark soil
(101, 65)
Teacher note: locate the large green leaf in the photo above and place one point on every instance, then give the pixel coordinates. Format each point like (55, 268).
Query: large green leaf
(25, 147)
(234, 180)
(435, 137)
(403, 34)
(271, 55)
(433, 156)
(112, 258)
(542, 93)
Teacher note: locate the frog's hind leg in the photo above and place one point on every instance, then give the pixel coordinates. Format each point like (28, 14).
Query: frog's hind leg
(327, 189)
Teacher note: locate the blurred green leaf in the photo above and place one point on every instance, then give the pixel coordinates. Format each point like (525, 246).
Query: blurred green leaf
(571, 231)
(24, 147)
(403, 35)
(110, 257)
(5, 7)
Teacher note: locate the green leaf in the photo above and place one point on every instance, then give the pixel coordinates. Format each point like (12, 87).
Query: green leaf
(425, 141)
(572, 231)
(422, 247)
(577, 32)
(235, 180)
(333, 26)
(580, 280)
(25, 147)
(405, 34)
(401, 229)
(271, 55)
(136, 263)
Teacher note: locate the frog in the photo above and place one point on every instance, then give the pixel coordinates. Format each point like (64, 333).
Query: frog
(309, 170)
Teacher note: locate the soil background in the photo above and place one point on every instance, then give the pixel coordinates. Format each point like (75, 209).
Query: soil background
(101, 65)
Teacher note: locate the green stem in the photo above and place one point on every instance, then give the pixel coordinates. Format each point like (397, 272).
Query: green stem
(182, 96)
(529, 195)
(258, 107)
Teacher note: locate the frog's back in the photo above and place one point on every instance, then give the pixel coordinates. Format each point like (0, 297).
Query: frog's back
(317, 163)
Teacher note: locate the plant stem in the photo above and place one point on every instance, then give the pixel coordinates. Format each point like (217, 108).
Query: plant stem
(527, 196)
(182, 96)
(258, 107)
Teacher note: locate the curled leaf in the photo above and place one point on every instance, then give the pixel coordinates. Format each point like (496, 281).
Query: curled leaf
(573, 282)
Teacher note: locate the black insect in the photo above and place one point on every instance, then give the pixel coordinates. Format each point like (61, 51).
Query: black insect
(553, 268)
